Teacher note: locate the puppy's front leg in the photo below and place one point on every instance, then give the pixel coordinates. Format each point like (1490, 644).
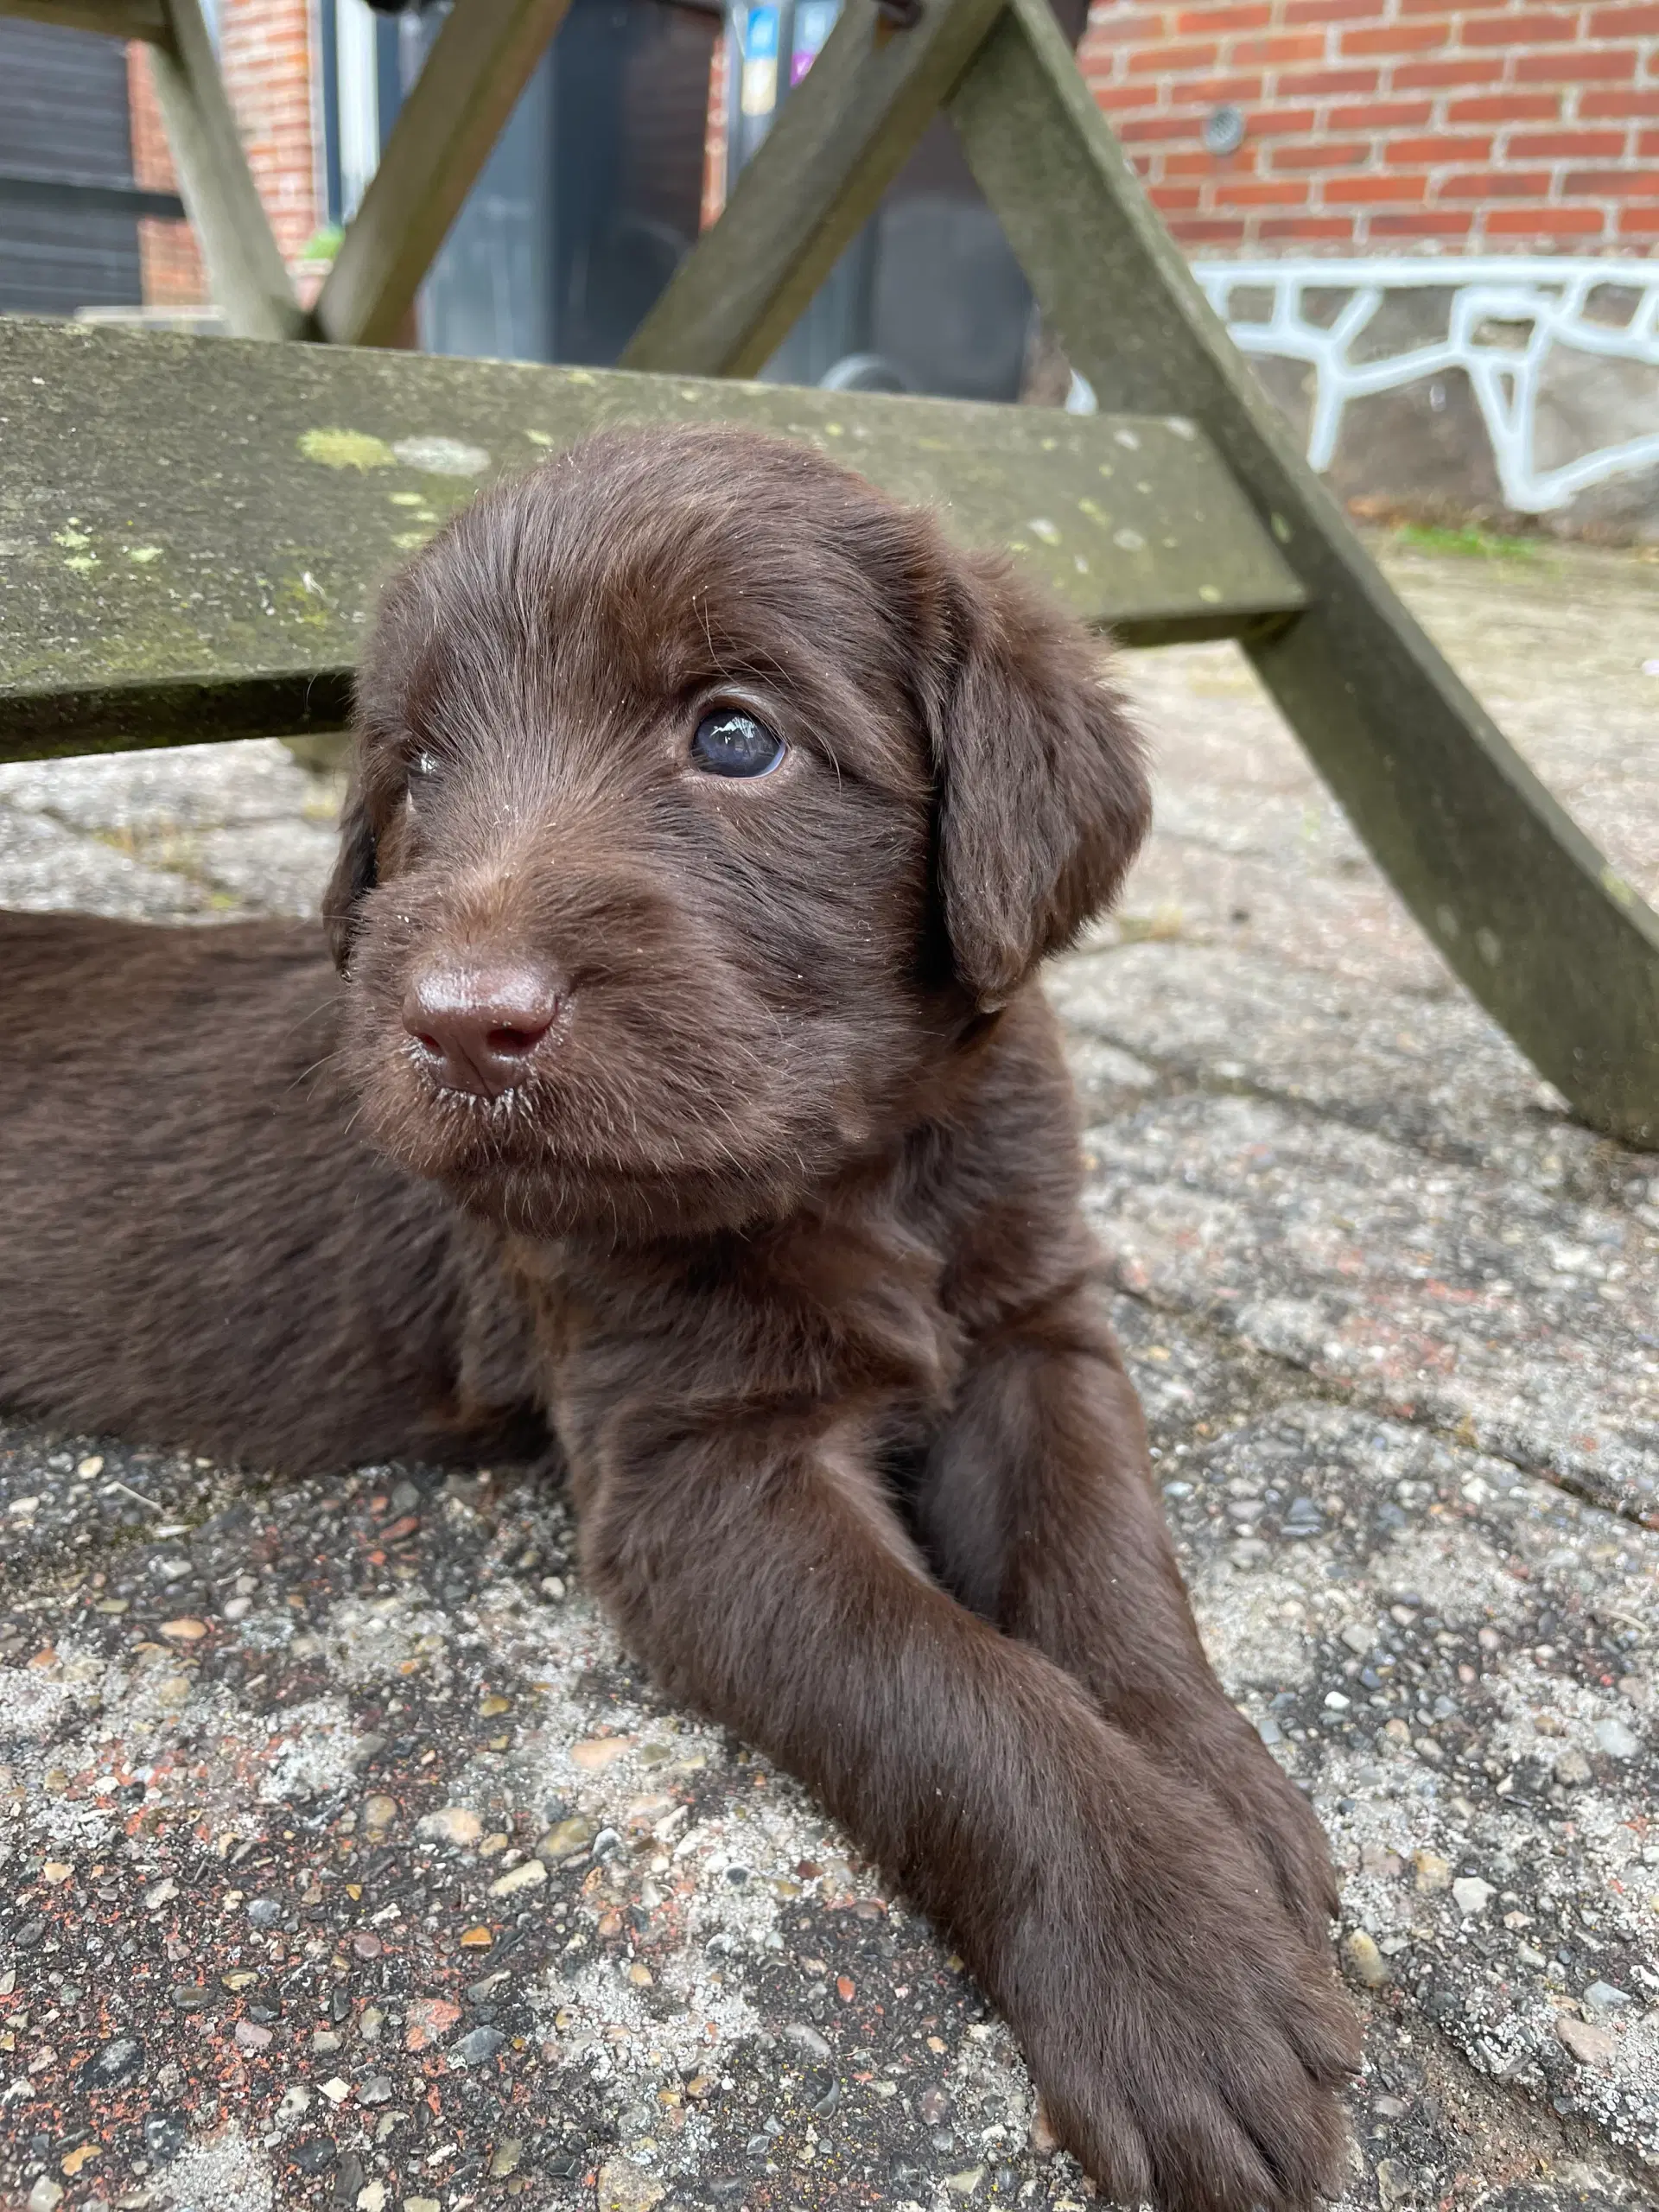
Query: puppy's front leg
(1040, 1508)
(1184, 2042)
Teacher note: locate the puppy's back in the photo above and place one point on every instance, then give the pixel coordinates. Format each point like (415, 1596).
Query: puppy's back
(194, 1249)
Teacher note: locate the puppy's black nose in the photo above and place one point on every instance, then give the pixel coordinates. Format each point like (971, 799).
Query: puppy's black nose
(479, 1027)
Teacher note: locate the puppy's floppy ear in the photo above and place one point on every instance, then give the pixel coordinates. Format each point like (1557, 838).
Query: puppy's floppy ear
(354, 875)
(1043, 798)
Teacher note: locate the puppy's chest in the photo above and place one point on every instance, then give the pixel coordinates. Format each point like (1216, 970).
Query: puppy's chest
(728, 1337)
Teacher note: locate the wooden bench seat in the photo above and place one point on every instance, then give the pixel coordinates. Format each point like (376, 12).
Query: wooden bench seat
(192, 529)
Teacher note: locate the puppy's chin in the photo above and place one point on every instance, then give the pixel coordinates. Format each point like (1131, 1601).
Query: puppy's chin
(614, 1211)
(542, 1161)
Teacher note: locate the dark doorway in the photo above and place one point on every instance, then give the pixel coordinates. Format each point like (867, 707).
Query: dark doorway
(592, 197)
(68, 239)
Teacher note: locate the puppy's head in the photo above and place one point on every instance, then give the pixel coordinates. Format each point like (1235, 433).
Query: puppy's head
(704, 800)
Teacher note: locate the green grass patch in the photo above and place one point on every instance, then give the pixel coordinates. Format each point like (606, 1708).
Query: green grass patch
(1469, 544)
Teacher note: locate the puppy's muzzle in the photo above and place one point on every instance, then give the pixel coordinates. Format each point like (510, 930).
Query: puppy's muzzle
(478, 1029)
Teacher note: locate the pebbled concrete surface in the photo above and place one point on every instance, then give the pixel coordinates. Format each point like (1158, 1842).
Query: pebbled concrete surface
(344, 1861)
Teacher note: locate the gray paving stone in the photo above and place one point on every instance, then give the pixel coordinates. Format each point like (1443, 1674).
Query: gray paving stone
(1521, 1317)
(1425, 1635)
(270, 868)
(186, 787)
(1426, 1066)
(44, 867)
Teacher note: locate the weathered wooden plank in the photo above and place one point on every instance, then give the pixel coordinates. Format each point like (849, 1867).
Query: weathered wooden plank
(1521, 904)
(478, 65)
(835, 147)
(144, 19)
(245, 270)
(191, 528)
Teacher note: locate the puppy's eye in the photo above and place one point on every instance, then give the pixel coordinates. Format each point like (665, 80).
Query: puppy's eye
(422, 765)
(730, 743)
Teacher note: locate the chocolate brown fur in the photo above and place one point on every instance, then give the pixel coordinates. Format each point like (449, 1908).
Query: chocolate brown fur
(193, 1249)
(776, 1222)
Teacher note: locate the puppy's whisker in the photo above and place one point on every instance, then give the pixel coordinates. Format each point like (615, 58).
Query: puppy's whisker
(323, 1007)
(335, 1058)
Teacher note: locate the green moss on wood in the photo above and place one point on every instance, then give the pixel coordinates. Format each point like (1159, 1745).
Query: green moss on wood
(194, 521)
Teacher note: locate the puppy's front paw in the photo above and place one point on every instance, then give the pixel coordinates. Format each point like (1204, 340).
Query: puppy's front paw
(1206, 1739)
(1187, 2041)
(1267, 1806)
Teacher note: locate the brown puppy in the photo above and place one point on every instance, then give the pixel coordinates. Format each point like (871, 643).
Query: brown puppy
(711, 818)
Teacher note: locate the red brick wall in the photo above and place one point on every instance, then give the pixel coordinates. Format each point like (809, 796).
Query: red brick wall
(266, 54)
(1478, 125)
(265, 51)
(169, 261)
